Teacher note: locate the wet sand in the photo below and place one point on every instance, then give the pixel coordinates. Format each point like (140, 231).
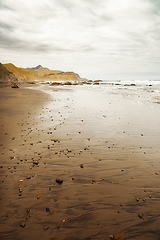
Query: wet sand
(104, 148)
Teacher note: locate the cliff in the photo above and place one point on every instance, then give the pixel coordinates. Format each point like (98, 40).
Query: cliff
(22, 74)
(6, 77)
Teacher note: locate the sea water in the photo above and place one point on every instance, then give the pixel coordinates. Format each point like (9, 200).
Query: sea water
(147, 91)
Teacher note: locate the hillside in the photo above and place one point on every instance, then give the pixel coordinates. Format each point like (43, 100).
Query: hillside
(6, 77)
(21, 73)
(43, 71)
(38, 73)
(48, 74)
(61, 76)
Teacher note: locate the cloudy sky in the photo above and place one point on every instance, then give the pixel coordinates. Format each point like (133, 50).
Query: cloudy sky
(99, 39)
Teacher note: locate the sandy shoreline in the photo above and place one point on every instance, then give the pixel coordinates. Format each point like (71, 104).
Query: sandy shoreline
(48, 137)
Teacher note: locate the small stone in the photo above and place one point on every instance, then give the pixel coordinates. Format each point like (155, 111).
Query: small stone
(20, 190)
(59, 181)
(73, 178)
(116, 236)
(28, 177)
(140, 216)
(28, 217)
(81, 166)
(23, 224)
(46, 228)
(51, 211)
(28, 211)
(38, 197)
(35, 162)
(47, 209)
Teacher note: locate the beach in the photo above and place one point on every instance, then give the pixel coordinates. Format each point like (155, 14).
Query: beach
(79, 162)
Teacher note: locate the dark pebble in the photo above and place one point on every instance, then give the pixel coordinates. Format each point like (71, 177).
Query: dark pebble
(81, 166)
(22, 224)
(28, 211)
(35, 162)
(47, 209)
(28, 177)
(60, 181)
(140, 216)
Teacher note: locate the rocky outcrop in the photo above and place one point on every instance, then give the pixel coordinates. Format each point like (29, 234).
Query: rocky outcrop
(57, 75)
(9, 72)
(6, 76)
(22, 74)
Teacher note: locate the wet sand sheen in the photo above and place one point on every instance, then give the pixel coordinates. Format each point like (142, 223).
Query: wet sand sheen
(110, 169)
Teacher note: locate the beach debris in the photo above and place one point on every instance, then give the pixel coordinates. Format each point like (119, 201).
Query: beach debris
(73, 178)
(22, 224)
(47, 209)
(81, 165)
(38, 197)
(28, 217)
(59, 181)
(137, 199)
(20, 190)
(132, 177)
(115, 236)
(20, 180)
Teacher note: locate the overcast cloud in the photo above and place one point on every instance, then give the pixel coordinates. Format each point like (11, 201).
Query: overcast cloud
(99, 39)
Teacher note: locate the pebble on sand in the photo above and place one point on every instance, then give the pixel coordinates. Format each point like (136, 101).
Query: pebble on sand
(60, 181)
(115, 236)
(81, 166)
(23, 224)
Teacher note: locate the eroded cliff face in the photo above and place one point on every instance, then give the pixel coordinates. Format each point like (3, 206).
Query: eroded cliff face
(46, 73)
(21, 74)
(40, 73)
(6, 76)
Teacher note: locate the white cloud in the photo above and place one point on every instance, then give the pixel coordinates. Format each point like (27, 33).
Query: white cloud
(99, 38)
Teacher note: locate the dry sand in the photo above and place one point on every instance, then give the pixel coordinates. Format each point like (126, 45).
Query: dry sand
(109, 166)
